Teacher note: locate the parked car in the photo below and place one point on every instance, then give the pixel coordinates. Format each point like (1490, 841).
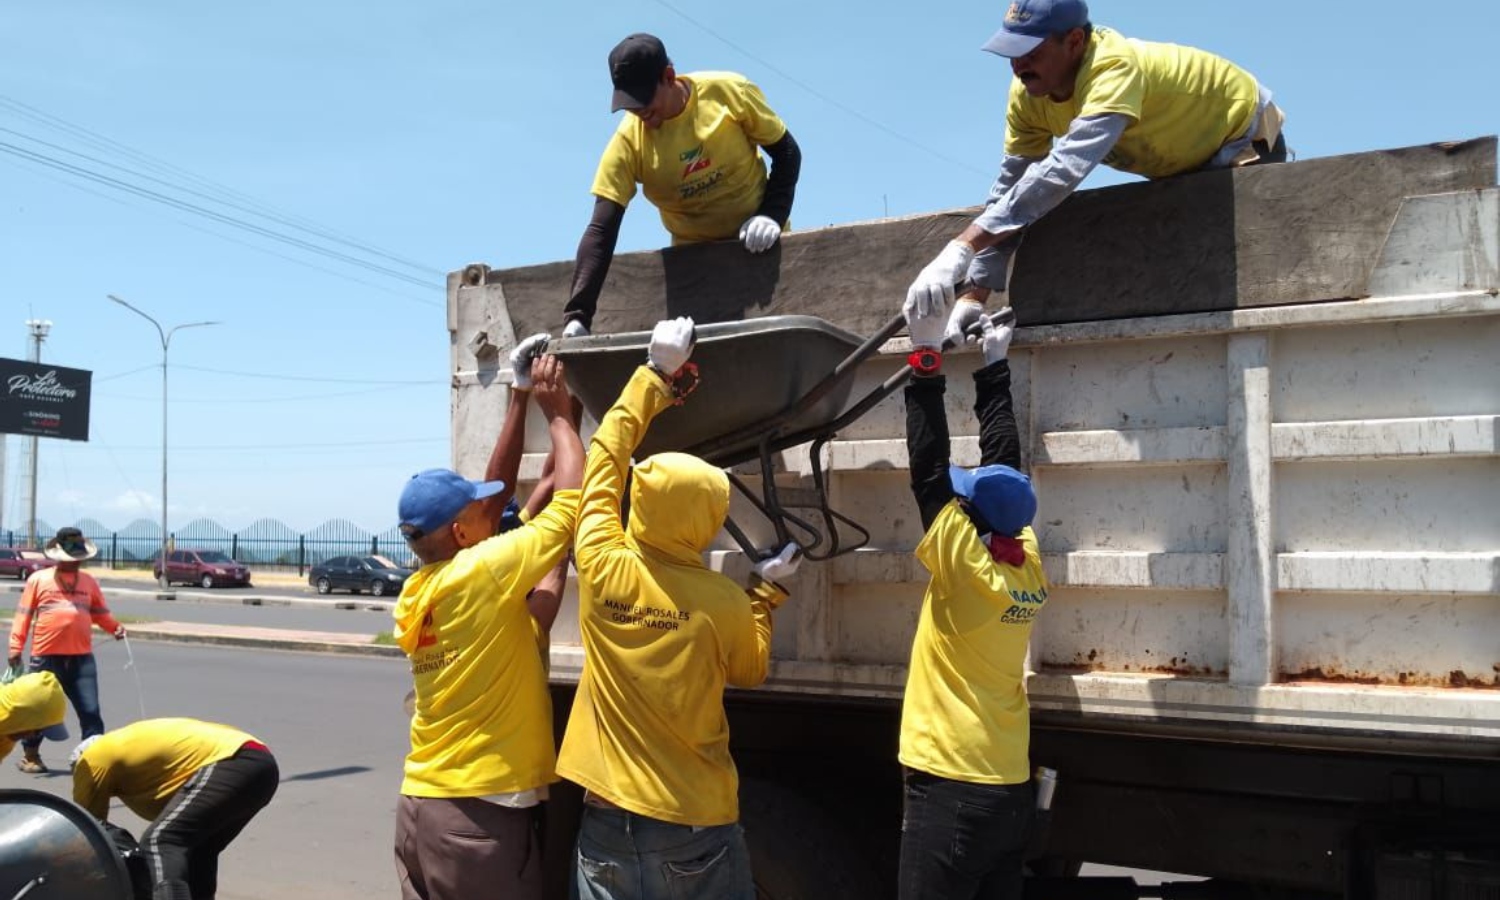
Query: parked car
(355, 574)
(208, 568)
(19, 563)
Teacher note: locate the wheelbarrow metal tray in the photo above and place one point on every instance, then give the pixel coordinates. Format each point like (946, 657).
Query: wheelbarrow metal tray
(51, 849)
(750, 372)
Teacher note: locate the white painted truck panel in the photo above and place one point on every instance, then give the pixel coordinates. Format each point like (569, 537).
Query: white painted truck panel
(1283, 517)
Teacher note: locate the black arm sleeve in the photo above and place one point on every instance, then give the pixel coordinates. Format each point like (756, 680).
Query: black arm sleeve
(999, 441)
(781, 183)
(595, 252)
(927, 445)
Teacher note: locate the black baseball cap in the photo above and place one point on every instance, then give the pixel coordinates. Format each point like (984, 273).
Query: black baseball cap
(635, 67)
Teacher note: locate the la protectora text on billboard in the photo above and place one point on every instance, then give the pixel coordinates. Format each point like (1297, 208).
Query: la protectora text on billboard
(44, 400)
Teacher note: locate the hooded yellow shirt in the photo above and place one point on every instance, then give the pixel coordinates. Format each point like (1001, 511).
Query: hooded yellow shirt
(662, 634)
(29, 703)
(1183, 103)
(146, 762)
(965, 715)
(483, 721)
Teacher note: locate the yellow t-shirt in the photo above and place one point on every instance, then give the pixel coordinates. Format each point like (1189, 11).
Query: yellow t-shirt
(662, 634)
(702, 168)
(146, 762)
(1184, 105)
(483, 720)
(965, 715)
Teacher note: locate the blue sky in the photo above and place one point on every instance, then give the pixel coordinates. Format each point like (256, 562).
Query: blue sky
(445, 133)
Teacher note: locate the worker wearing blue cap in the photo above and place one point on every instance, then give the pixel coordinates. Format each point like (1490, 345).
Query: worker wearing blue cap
(468, 822)
(1082, 96)
(965, 728)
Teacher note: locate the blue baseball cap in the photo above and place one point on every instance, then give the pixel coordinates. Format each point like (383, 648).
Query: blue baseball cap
(1029, 22)
(435, 497)
(1003, 497)
(510, 518)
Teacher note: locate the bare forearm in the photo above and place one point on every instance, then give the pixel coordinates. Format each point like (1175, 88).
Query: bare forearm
(567, 453)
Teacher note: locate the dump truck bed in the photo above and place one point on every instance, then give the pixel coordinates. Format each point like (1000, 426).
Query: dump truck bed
(1265, 433)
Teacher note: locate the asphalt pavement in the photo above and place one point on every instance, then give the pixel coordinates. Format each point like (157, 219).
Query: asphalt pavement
(339, 734)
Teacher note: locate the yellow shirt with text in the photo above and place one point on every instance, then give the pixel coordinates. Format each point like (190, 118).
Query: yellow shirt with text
(483, 720)
(965, 715)
(1183, 103)
(702, 168)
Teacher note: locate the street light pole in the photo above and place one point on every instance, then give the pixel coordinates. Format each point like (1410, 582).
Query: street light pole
(39, 329)
(166, 343)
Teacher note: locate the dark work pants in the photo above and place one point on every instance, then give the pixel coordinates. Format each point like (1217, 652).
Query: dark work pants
(464, 847)
(182, 846)
(963, 841)
(78, 675)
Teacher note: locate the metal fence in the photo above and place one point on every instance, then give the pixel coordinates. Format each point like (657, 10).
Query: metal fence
(266, 544)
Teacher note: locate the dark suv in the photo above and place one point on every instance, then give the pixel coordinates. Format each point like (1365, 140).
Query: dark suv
(208, 568)
(18, 563)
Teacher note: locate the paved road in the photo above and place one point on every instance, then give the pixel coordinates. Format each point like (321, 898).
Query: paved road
(358, 621)
(226, 606)
(336, 726)
(274, 586)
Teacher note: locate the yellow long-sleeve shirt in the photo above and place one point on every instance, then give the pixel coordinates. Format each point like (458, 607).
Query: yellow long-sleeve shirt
(29, 703)
(662, 634)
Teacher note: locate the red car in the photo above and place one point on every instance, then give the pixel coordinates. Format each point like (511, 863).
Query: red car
(18, 563)
(208, 568)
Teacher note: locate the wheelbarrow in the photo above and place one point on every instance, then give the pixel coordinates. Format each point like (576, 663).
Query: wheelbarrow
(768, 384)
(51, 849)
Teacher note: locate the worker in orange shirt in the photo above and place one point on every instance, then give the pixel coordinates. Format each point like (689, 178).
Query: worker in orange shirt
(59, 607)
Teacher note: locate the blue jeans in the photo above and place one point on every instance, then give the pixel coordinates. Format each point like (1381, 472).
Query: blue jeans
(963, 841)
(79, 677)
(623, 856)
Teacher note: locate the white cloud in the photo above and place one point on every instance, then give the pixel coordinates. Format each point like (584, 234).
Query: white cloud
(133, 502)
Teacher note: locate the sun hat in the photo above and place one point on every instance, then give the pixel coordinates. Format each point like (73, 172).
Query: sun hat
(70, 546)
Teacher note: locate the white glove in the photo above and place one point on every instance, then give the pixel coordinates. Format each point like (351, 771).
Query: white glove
(523, 356)
(782, 565)
(934, 284)
(995, 338)
(575, 328)
(671, 344)
(925, 328)
(759, 233)
(965, 313)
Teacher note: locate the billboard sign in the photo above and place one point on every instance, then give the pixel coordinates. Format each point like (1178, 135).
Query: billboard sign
(44, 400)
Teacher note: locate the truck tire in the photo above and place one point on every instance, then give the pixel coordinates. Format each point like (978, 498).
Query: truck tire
(799, 852)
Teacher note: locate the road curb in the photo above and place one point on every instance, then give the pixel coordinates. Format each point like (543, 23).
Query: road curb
(141, 633)
(199, 599)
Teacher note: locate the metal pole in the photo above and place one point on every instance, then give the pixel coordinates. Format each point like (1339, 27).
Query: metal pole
(163, 582)
(39, 329)
(166, 343)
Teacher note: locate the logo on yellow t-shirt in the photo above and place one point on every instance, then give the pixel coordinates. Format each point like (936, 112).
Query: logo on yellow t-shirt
(694, 160)
(426, 635)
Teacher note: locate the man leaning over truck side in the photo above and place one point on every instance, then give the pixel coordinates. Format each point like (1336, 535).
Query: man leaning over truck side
(1081, 96)
(482, 753)
(648, 738)
(693, 143)
(965, 729)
